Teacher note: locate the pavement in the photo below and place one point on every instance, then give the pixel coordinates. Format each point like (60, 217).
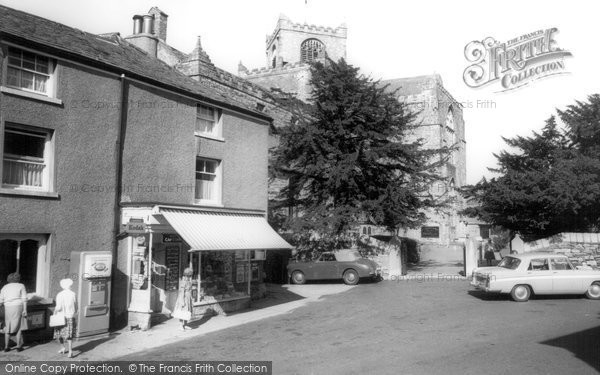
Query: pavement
(280, 300)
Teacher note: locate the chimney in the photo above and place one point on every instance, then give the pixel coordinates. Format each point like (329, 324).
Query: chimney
(143, 34)
(160, 23)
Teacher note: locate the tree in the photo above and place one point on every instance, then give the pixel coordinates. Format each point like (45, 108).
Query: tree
(347, 160)
(551, 184)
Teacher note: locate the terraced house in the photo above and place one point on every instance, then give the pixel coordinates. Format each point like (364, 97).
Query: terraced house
(120, 171)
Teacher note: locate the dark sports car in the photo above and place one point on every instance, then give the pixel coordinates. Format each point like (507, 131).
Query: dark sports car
(342, 264)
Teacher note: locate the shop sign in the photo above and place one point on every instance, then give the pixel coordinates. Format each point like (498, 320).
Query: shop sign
(135, 226)
(171, 238)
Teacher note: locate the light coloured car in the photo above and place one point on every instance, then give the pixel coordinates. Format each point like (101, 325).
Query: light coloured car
(538, 273)
(347, 265)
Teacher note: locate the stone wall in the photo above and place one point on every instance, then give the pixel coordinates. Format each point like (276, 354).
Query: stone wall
(583, 249)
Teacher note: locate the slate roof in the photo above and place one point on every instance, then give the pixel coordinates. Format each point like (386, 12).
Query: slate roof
(108, 52)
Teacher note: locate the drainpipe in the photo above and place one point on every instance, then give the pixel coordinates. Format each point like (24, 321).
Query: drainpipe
(119, 146)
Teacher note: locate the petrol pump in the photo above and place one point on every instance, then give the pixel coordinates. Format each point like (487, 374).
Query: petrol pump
(92, 286)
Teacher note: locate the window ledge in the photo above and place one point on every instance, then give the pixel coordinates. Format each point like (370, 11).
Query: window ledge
(202, 135)
(30, 95)
(29, 193)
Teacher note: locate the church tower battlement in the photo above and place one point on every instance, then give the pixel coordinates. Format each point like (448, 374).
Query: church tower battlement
(290, 49)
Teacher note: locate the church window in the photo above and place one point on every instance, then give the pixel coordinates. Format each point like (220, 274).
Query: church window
(311, 49)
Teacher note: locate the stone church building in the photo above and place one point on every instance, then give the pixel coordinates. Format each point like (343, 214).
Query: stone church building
(292, 46)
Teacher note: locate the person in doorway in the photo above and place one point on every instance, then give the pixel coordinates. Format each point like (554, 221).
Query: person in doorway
(66, 303)
(183, 306)
(14, 297)
(489, 253)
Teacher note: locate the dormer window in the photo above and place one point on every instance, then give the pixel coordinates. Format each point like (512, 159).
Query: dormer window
(29, 71)
(311, 50)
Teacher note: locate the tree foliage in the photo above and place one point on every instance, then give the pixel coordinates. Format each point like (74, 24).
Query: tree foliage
(348, 159)
(551, 182)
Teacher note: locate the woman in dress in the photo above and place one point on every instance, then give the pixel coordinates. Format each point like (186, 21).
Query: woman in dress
(66, 303)
(183, 306)
(14, 297)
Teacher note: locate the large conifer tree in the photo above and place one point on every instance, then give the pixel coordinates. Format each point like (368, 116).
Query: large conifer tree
(348, 159)
(551, 182)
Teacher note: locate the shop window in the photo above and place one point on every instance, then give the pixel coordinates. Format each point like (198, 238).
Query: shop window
(224, 274)
(29, 71)
(311, 50)
(27, 158)
(208, 181)
(208, 121)
(430, 232)
(22, 254)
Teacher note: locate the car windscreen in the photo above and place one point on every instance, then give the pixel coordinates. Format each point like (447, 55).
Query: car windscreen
(347, 256)
(510, 263)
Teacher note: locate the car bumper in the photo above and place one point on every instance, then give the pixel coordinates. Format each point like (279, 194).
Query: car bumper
(483, 287)
(375, 274)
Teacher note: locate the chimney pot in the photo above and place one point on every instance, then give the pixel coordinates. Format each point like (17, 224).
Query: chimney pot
(137, 24)
(148, 23)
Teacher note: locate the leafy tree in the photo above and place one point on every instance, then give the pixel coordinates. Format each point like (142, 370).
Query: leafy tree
(551, 183)
(347, 159)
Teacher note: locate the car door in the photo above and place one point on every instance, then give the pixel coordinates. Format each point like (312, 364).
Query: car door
(325, 267)
(539, 275)
(564, 277)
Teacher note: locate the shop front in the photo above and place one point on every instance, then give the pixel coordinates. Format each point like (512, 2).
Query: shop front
(225, 249)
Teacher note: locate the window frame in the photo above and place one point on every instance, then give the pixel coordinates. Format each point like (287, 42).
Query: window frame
(305, 48)
(217, 132)
(48, 183)
(545, 265)
(218, 182)
(50, 91)
(43, 260)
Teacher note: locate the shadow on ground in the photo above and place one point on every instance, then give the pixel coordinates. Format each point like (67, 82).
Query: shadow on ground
(81, 347)
(276, 295)
(426, 264)
(485, 296)
(583, 344)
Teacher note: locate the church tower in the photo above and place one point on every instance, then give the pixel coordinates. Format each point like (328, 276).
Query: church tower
(290, 49)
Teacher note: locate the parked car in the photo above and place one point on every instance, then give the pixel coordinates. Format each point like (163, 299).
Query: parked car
(539, 273)
(347, 265)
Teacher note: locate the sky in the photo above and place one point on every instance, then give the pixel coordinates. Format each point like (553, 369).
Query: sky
(386, 39)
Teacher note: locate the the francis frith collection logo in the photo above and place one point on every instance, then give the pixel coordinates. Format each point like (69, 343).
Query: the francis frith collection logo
(514, 63)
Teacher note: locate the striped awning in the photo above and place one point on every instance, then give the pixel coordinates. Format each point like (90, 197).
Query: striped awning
(207, 230)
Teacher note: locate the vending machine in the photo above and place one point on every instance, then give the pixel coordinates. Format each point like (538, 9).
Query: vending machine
(91, 272)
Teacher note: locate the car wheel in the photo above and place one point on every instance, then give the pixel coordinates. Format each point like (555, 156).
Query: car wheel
(521, 293)
(593, 291)
(298, 277)
(350, 277)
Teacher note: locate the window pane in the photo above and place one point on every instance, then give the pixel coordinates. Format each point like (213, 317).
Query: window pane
(24, 145)
(28, 60)
(8, 259)
(199, 165)
(40, 83)
(210, 166)
(27, 80)
(41, 64)
(205, 126)
(13, 77)
(14, 57)
(28, 264)
(205, 187)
